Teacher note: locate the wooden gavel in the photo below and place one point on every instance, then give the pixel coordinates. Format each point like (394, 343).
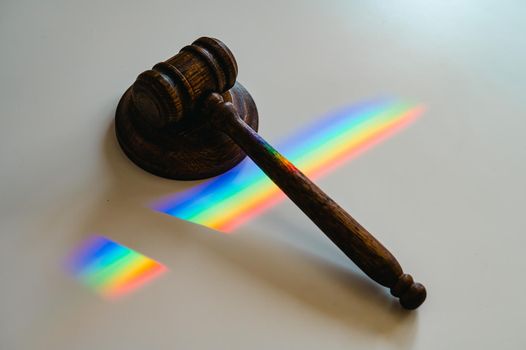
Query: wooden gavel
(187, 118)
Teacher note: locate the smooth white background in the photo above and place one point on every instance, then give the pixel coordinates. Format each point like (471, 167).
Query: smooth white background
(447, 195)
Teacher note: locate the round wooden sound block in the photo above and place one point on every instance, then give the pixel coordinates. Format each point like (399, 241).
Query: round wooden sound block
(186, 150)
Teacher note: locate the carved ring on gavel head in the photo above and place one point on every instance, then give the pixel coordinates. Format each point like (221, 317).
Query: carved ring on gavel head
(187, 118)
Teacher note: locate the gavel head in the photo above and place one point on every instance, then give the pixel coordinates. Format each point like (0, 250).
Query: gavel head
(159, 122)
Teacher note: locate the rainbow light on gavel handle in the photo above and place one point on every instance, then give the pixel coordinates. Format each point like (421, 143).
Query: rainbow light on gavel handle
(233, 198)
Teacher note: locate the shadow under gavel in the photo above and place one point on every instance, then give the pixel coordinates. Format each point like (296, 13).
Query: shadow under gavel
(187, 118)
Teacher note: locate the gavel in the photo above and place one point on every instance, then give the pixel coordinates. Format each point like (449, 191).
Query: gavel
(188, 118)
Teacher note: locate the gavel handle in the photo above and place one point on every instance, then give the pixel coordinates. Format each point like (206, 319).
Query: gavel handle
(342, 229)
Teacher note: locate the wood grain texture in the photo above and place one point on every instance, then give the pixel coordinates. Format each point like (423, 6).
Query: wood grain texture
(158, 127)
(188, 118)
(351, 237)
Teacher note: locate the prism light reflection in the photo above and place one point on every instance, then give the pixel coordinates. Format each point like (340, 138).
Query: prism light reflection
(110, 269)
(233, 198)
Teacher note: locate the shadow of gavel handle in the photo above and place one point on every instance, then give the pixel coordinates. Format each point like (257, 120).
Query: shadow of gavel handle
(341, 228)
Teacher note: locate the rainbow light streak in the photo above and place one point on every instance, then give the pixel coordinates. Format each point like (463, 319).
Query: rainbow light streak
(229, 200)
(111, 269)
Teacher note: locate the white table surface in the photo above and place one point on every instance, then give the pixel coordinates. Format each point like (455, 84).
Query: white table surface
(447, 195)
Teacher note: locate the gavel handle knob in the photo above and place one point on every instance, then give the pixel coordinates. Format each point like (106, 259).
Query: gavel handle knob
(341, 228)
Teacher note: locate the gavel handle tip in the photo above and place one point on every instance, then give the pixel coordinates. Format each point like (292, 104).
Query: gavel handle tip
(411, 294)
